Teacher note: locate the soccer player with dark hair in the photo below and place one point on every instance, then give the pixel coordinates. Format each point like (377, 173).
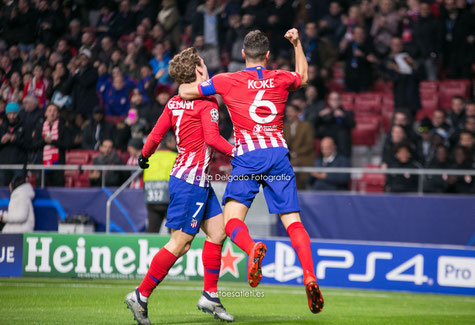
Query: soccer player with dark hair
(256, 100)
(193, 202)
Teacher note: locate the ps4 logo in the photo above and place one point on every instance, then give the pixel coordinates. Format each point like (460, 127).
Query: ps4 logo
(284, 269)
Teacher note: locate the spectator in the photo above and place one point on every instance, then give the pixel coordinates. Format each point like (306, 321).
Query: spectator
(439, 120)
(467, 140)
(313, 104)
(50, 142)
(117, 97)
(457, 112)
(107, 48)
(159, 64)
(462, 184)
(438, 183)
(82, 84)
(427, 41)
(401, 68)
(12, 143)
(37, 86)
(335, 122)
(155, 180)
(403, 160)
(385, 27)
(19, 27)
(318, 50)
(358, 58)
(97, 130)
(136, 123)
(56, 91)
(397, 135)
(20, 216)
(12, 91)
(147, 84)
(279, 21)
(330, 158)
(331, 26)
(209, 53)
(239, 27)
(169, 18)
(425, 132)
(299, 137)
(107, 156)
(76, 129)
(31, 116)
(207, 21)
(134, 148)
(457, 29)
(123, 22)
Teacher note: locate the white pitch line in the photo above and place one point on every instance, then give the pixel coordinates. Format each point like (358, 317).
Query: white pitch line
(196, 288)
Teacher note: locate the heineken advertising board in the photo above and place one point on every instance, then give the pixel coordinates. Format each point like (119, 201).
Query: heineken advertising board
(118, 257)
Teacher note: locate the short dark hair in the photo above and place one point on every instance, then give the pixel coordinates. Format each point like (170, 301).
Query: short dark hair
(256, 45)
(17, 181)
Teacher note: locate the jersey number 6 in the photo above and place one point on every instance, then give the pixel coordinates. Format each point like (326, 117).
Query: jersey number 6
(258, 102)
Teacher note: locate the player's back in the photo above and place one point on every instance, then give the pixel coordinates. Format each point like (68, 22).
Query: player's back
(194, 154)
(256, 100)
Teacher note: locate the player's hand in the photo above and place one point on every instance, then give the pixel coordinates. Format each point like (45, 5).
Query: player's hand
(143, 162)
(293, 36)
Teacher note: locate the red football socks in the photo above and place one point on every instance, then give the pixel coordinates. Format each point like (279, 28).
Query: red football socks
(212, 264)
(239, 234)
(161, 263)
(301, 244)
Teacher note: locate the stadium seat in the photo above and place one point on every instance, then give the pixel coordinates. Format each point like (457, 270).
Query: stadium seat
(387, 111)
(373, 183)
(348, 101)
(338, 72)
(428, 86)
(368, 103)
(335, 85)
(364, 134)
(430, 102)
(382, 86)
(316, 147)
(451, 88)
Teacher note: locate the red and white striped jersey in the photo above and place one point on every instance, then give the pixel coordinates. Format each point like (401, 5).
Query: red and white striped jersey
(195, 124)
(256, 100)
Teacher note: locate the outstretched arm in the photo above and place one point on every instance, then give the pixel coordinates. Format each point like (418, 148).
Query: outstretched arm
(301, 64)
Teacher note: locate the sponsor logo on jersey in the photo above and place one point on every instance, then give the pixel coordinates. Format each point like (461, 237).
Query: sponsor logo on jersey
(259, 128)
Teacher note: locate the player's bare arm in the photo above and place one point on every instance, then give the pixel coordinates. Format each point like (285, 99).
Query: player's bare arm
(301, 64)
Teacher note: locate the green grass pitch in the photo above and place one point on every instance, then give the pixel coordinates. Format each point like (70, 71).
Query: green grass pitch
(73, 301)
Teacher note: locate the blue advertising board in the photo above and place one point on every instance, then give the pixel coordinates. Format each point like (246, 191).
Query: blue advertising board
(418, 268)
(11, 253)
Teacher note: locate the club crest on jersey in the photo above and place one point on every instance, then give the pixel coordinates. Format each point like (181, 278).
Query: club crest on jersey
(194, 223)
(214, 115)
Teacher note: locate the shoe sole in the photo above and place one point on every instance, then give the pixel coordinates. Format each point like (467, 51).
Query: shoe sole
(315, 299)
(205, 310)
(254, 273)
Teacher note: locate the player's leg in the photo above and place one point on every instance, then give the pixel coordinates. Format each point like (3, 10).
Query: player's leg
(209, 301)
(280, 191)
(301, 243)
(137, 300)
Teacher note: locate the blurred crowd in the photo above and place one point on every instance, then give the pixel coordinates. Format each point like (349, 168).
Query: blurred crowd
(94, 74)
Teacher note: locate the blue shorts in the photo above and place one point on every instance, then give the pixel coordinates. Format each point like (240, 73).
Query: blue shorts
(267, 167)
(189, 205)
